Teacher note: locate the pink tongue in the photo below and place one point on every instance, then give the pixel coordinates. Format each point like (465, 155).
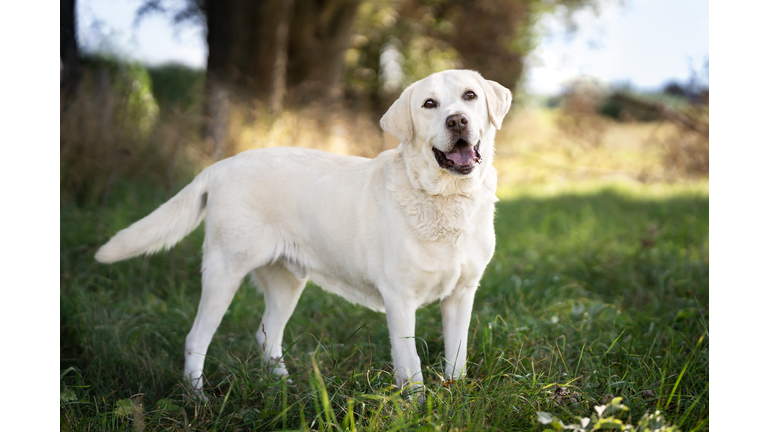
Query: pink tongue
(462, 154)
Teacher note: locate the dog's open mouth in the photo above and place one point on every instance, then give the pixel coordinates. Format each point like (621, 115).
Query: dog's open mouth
(461, 159)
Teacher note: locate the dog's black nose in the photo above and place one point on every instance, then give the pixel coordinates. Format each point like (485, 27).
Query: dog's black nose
(457, 122)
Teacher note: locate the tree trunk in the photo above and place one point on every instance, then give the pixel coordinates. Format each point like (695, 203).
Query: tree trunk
(243, 40)
(281, 58)
(481, 46)
(70, 63)
(249, 50)
(241, 44)
(319, 37)
(240, 61)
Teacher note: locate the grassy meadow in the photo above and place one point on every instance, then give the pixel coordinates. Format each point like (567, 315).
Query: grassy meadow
(599, 288)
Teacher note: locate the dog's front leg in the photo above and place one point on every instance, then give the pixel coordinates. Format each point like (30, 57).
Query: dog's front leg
(401, 320)
(457, 314)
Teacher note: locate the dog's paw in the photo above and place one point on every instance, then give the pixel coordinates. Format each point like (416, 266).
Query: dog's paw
(418, 397)
(197, 397)
(414, 392)
(277, 368)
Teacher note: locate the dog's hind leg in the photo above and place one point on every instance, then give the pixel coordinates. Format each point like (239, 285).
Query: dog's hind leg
(282, 290)
(220, 283)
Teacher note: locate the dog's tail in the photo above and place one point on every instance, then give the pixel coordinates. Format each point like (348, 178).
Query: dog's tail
(162, 228)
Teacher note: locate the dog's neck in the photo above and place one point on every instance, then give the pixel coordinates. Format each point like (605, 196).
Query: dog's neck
(439, 205)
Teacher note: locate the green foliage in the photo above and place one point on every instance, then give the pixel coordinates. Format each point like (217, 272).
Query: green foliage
(383, 25)
(617, 108)
(426, 36)
(603, 421)
(142, 108)
(397, 42)
(591, 294)
(124, 408)
(177, 85)
(112, 127)
(131, 84)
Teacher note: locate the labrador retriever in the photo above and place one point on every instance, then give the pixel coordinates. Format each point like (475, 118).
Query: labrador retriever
(412, 226)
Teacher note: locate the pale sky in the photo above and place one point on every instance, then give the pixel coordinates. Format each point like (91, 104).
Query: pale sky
(644, 42)
(154, 41)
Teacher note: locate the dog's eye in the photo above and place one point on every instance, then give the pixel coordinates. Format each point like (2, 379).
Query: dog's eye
(429, 103)
(469, 95)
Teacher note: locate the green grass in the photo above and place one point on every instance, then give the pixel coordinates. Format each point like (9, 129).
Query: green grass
(599, 289)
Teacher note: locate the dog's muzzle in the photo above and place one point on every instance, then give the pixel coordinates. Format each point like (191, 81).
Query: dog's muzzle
(461, 159)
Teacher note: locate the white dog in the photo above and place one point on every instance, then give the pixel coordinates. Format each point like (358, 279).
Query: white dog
(394, 233)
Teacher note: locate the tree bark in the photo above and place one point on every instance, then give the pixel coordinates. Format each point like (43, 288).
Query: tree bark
(241, 55)
(70, 74)
(281, 58)
(248, 51)
(243, 43)
(476, 36)
(319, 36)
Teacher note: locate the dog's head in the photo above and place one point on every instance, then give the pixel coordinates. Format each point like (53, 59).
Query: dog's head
(450, 118)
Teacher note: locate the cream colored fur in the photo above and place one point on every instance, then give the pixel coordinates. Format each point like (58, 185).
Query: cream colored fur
(392, 233)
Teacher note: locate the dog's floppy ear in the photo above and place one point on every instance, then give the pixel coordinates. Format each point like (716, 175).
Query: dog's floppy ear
(498, 98)
(397, 120)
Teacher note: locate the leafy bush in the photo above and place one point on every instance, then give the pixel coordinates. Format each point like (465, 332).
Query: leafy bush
(113, 127)
(176, 85)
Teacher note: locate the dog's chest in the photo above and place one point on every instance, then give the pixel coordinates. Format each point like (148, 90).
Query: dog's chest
(440, 267)
(450, 241)
(438, 219)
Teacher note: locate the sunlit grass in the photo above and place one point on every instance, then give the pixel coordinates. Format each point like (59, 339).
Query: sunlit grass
(629, 189)
(531, 148)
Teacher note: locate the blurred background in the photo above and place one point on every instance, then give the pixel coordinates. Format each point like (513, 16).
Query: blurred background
(155, 90)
